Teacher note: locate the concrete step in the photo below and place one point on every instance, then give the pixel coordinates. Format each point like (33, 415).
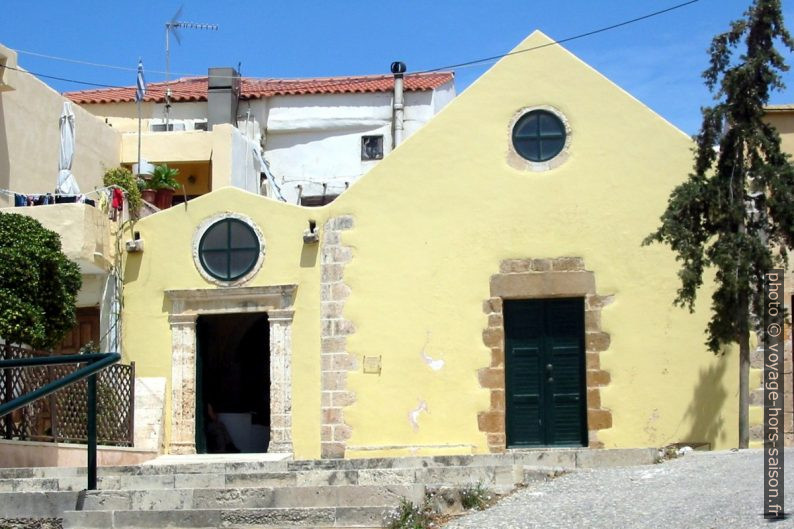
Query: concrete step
(248, 498)
(487, 475)
(313, 517)
(201, 464)
(36, 504)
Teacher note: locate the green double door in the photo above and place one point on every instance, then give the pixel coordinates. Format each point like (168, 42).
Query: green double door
(545, 372)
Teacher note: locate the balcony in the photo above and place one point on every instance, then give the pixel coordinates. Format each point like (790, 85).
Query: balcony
(84, 231)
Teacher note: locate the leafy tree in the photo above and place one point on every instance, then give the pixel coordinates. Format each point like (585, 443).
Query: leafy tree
(38, 284)
(123, 177)
(735, 212)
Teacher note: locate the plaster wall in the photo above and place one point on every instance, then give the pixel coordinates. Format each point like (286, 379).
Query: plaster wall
(475, 210)
(419, 265)
(30, 138)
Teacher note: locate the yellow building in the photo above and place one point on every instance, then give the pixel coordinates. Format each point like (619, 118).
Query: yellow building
(483, 287)
(782, 118)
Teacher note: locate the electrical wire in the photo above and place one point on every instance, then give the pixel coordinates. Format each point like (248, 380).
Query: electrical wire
(464, 64)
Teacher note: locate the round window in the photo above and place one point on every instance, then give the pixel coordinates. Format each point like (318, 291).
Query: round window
(229, 249)
(539, 135)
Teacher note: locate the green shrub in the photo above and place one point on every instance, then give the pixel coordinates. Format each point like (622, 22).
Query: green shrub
(38, 284)
(124, 178)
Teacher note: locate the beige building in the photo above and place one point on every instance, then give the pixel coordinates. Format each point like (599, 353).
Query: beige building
(29, 155)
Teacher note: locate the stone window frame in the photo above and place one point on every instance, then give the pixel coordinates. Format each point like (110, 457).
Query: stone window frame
(559, 277)
(186, 306)
(516, 161)
(209, 222)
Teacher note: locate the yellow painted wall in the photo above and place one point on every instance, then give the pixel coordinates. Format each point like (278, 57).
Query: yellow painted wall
(432, 222)
(30, 138)
(167, 263)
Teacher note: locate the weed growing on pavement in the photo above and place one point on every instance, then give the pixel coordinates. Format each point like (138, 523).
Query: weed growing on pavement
(408, 515)
(477, 497)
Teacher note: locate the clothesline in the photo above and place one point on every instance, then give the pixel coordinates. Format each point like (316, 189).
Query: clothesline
(95, 190)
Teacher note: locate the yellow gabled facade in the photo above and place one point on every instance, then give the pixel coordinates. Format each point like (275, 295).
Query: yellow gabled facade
(394, 318)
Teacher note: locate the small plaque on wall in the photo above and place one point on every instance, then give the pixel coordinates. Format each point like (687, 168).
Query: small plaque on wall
(372, 365)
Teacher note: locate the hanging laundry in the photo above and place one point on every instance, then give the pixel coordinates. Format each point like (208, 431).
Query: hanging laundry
(118, 199)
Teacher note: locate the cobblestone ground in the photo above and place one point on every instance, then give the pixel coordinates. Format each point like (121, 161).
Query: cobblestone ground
(706, 490)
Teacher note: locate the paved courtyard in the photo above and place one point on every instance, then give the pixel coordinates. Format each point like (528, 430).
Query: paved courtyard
(707, 490)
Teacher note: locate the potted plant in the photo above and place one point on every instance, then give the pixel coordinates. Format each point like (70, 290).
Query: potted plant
(165, 182)
(123, 178)
(147, 193)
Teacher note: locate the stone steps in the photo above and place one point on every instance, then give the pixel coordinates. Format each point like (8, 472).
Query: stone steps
(487, 475)
(251, 497)
(311, 517)
(271, 493)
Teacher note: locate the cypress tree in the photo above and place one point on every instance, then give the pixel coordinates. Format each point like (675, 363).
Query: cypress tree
(735, 211)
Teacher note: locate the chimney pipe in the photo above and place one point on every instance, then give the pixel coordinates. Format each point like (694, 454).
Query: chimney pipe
(398, 112)
(223, 93)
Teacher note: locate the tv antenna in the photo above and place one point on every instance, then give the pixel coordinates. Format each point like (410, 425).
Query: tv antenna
(172, 26)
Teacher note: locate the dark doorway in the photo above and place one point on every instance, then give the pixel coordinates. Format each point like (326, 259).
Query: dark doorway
(233, 382)
(545, 372)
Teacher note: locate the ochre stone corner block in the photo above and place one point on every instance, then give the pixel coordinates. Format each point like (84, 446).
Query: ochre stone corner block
(491, 378)
(491, 421)
(548, 284)
(597, 341)
(342, 398)
(496, 442)
(492, 305)
(593, 360)
(497, 357)
(332, 450)
(599, 419)
(567, 264)
(493, 337)
(597, 378)
(497, 400)
(593, 398)
(342, 432)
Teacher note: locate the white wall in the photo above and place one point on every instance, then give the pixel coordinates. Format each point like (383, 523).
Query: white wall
(308, 140)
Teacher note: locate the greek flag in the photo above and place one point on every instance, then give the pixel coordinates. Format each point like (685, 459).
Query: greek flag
(140, 89)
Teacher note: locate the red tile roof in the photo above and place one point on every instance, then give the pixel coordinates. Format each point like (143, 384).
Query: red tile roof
(195, 88)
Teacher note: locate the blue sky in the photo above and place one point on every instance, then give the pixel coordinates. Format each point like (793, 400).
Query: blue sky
(658, 60)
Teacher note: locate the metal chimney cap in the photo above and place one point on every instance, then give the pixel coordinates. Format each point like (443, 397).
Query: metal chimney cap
(398, 67)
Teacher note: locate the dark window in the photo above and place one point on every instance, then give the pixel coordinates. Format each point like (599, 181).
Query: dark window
(539, 136)
(319, 200)
(229, 249)
(371, 147)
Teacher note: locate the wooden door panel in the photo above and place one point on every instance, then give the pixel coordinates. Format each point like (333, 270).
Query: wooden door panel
(544, 372)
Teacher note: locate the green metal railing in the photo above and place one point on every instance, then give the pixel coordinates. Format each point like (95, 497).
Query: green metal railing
(96, 362)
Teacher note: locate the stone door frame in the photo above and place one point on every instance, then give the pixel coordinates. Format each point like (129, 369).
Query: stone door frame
(186, 306)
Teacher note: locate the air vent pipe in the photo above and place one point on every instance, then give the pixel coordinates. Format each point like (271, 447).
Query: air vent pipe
(398, 105)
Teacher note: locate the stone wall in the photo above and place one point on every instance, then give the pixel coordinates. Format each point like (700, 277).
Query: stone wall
(335, 359)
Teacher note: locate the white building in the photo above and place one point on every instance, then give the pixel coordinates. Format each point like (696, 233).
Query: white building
(317, 136)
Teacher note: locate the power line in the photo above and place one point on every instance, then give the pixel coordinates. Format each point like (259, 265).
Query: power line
(561, 41)
(350, 81)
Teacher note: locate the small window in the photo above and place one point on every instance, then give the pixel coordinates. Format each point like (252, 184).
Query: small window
(539, 136)
(371, 147)
(229, 249)
(316, 201)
